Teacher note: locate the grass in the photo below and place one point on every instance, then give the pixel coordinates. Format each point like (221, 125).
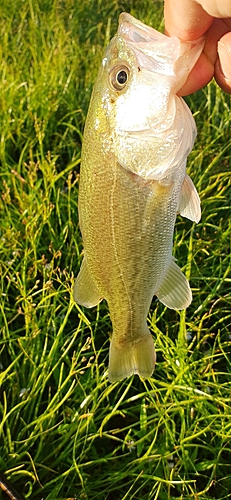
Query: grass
(65, 432)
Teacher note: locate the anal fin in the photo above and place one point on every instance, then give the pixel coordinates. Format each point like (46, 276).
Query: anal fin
(85, 290)
(174, 291)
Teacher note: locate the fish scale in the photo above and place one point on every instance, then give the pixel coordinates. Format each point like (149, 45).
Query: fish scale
(131, 188)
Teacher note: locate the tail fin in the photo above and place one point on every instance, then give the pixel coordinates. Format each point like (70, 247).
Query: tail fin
(133, 357)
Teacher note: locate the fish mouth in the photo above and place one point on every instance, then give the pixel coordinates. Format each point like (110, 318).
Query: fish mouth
(149, 45)
(157, 52)
(135, 31)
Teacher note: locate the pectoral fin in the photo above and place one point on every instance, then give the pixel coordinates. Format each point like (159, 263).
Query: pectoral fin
(189, 205)
(85, 291)
(175, 291)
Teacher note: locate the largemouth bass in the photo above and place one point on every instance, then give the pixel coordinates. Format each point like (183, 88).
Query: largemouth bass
(133, 182)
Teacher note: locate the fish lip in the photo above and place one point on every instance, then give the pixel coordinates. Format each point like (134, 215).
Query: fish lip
(143, 33)
(133, 30)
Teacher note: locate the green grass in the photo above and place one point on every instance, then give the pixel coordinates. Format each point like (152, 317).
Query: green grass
(65, 432)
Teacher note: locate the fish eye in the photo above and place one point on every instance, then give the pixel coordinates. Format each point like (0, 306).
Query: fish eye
(118, 77)
(121, 77)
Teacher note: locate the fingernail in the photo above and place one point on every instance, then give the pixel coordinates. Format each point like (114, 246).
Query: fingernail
(224, 52)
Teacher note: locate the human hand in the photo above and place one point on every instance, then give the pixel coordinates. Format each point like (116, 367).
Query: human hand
(191, 19)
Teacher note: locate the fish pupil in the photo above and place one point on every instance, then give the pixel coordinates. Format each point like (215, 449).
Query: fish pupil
(121, 77)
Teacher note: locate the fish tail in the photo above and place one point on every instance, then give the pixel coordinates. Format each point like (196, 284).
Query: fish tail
(126, 359)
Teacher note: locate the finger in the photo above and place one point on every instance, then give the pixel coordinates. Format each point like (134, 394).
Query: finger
(186, 19)
(223, 63)
(217, 8)
(204, 69)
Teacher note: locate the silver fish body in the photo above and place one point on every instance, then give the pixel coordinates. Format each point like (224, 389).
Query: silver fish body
(133, 181)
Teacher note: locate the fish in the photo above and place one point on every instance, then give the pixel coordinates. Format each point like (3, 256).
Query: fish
(133, 182)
